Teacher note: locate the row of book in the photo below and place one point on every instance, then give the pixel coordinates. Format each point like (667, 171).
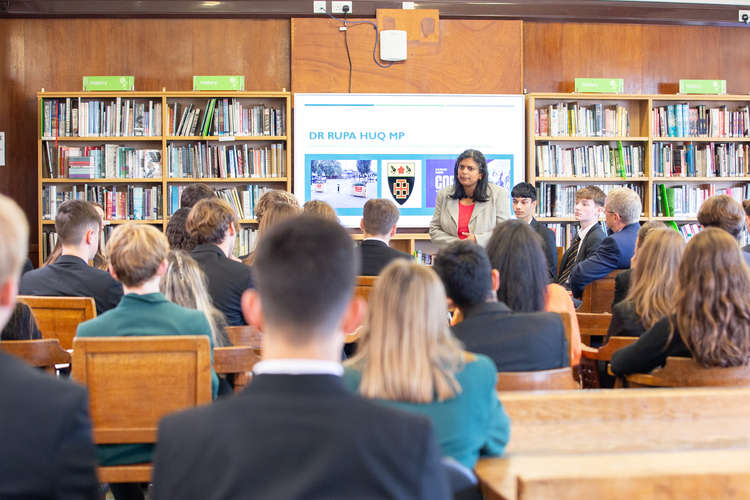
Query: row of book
(564, 233)
(701, 160)
(109, 161)
(685, 201)
(683, 120)
(243, 200)
(558, 200)
(226, 161)
(691, 229)
(78, 117)
(225, 117)
(573, 119)
(596, 160)
(118, 202)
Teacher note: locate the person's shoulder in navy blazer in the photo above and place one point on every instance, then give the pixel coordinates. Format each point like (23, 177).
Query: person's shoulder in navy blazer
(376, 254)
(378, 224)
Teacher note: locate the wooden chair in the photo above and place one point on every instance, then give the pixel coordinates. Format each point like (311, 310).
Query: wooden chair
(598, 295)
(686, 372)
(245, 335)
(237, 361)
(593, 324)
(42, 353)
(542, 380)
(58, 317)
(589, 358)
(364, 286)
(133, 382)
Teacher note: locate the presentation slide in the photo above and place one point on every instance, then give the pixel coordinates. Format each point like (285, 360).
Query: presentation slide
(349, 148)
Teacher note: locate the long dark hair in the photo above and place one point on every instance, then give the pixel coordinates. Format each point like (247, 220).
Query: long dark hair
(515, 250)
(481, 192)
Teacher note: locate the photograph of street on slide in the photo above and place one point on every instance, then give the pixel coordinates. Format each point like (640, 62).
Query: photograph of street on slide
(344, 183)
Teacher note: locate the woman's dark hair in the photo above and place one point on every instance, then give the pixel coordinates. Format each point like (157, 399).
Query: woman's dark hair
(21, 325)
(515, 250)
(481, 192)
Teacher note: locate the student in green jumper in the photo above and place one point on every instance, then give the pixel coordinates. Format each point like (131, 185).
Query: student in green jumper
(138, 259)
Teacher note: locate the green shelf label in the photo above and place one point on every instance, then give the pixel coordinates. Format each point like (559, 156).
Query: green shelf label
(600, 85)
(703, 87)
(222, 82)
(108, 83)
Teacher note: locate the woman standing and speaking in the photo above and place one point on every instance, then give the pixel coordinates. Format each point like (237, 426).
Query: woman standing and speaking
(471, 207)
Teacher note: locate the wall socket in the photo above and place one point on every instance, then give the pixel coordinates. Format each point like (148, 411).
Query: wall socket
(744, 16)
(319, 7)
(338, 7)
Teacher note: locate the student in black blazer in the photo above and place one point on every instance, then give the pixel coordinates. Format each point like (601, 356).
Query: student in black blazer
(296, 431)
(524, 206)
(378, 225)
(47, 451)
(212, 225)
(514, 341)
(78, 227)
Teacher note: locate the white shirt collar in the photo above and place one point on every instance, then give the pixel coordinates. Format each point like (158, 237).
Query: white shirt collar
(583, 232)
(298, 367)
(376, 239)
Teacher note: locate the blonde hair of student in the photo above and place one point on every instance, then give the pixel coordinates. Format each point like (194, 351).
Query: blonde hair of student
(135, 252)
(406, 350)
(185, 284)
(712, 310)
(320, 208)
(274, 213)
(269, 198)
(654, 277)
(14, 239)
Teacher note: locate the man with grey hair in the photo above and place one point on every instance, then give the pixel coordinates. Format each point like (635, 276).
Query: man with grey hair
(622, 210)
(379, 218)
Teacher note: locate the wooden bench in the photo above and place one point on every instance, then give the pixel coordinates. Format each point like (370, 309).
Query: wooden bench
(238, 361)
(686, 372)
(364, 286)
(58, 317)
(133, 382)
(598, 295)
(590, 357)
(541, 380)
(593, 325)
(245, 335)
(41, 353)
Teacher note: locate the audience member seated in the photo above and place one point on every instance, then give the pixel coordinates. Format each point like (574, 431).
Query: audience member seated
(78, 227)
(378, 224)
(138, 259)
(515, 341)
(711, 320)
(45, 430)
(515, 251)
(654, 283)
(21, 325)
(212, 224)
(726, 213)
(321, 209)
(407, 358)
(588, 210)
(273, 213)
(622, 210)
(177, 234)
(524, 206)
(296, 431)
(270, 197)
(746, 207)
(622, 280)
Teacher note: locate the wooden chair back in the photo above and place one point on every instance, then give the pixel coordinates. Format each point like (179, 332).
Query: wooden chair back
(364, 286)
(686, 372)
(133, 382)
(58, 317)
(245, 335)
(560, 252)
(590, 357)
(41, 353)
(542, 380)
(593, 324)
(237, 361)
(598, 295)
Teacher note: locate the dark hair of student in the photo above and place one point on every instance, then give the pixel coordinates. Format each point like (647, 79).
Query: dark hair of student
(465, 271)
(305, 269)
(73, 219)
(515, 250)
(21, 325)
(724, 212)
(524, 190)
(481, 192)
(194, 193)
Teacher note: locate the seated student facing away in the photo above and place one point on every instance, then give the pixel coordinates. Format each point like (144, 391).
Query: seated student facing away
(21, 325)
(296, 431)
(321, 209)
(588, 210)
(212, 224)
(78, 226)
(622, 279)
(47, 451)
(515, 341)
(515, 252)
(408, 358)
(177, 234)
(137, 258)
(711, 319)
(726, 213)
(378, 224)
(273, 213)
(622, 210)
(524, 206)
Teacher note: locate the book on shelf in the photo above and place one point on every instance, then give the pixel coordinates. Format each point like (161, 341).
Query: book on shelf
(225, 116)
(245, 242)
(594, 160)
(82, 117)
(558, 200)
(700, 159)
(226, 161)
(574, 120)
(685, 200)
(242, 200)
(108, 161)
(683, 120)
(119, 202)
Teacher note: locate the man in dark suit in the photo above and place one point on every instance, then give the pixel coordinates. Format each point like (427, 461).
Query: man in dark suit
(378, 224)
(588, 210)
(622, 210)
(47, 451)
(78, 227)
(524, 206)
(514, 341)
(296, 431)
(212, 226)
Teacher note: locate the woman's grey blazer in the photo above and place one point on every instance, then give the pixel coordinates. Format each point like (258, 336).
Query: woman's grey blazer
(486, 214)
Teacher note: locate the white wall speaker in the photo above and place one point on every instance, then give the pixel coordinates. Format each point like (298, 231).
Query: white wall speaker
(393, 45)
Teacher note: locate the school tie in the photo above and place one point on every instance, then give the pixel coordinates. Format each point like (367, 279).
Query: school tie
(565, 274)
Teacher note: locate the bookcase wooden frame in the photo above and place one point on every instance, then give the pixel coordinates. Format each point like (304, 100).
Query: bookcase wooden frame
(161, 142)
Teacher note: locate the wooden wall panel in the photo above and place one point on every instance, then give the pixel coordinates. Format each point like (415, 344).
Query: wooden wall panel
(470, 57)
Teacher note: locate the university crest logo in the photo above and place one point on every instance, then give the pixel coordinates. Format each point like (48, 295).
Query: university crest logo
(401, 179)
